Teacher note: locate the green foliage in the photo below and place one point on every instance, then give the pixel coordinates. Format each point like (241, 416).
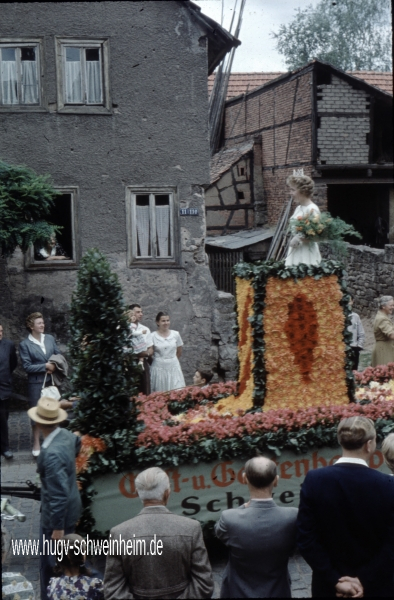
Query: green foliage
(352, 35)
(104, 375)
(25, 200)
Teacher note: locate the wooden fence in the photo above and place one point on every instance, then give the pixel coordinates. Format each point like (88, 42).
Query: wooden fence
(221, 266)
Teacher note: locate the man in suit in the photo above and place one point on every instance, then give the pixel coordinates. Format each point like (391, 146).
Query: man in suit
(260, 536)
(346, 520)
(176, 565)
(60, 500)
(8, 363)
(144, 386)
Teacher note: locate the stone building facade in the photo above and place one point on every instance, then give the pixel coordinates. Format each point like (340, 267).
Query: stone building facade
(117, 115)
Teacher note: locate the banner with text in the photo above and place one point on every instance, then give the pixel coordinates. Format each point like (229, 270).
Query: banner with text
(203, 490)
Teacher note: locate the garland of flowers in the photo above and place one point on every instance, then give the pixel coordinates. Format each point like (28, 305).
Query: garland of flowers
(381, 374)
(162, 441)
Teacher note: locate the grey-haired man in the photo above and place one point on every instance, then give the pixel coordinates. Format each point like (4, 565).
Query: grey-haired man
(179, 569)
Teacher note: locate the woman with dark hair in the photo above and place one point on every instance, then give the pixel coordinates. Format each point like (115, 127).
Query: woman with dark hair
(75, 580)
(35, 352)
(165, 372)
(302, 251)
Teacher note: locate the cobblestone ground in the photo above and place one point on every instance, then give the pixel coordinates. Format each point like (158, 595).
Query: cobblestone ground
(23, 467)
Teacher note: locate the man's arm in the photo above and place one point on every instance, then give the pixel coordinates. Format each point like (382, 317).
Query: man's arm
(383, 561)
(311, 549)
(201, 584)
(116, 586)
(221, 530)
(58, 489)
(13, 358)
(360, 334)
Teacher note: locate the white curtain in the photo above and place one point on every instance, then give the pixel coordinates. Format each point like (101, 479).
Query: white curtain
(93, 83)
(73, 82)
(143, 230)
(163, 229)
(29, 82)
(8, 82)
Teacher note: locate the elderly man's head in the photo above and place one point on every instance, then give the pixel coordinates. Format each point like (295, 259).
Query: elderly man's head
(357, 435)
(153, 486)
(260, 474)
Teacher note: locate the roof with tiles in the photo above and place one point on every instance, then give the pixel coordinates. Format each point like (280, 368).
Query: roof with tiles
(241, 83)
(224, 159)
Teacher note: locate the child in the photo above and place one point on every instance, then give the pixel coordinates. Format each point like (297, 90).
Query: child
(75, 582)
(202, 378)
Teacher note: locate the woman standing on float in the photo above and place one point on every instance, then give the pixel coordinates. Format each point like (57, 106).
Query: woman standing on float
(302, 250)
(165, 372)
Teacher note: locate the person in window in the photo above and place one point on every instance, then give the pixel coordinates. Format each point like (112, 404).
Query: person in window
(52, 251)
(166, 373)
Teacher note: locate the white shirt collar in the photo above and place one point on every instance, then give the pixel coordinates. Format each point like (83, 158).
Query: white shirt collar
(50, 437)
(352, 461)
(41, 343)
(261, 499)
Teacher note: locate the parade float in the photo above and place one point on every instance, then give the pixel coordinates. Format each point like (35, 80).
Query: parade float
(294, 386)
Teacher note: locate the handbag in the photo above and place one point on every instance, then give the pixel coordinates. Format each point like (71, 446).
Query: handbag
(51, 391)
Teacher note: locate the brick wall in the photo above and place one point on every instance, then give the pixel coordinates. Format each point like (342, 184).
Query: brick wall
(282, 115)
(344, 124)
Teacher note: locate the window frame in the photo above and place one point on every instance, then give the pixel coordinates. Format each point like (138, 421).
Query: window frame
(155, 261)
(18, 43)
(42, 265)
(60, 44)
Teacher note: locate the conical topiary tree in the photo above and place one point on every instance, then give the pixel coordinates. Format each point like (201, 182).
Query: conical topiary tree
(104, 375)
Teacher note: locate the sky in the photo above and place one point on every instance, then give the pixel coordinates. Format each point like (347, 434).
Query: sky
(260, 18)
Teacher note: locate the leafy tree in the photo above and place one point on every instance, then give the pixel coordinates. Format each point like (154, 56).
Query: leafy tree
(352, 35)
(104, 375)
(26, 198)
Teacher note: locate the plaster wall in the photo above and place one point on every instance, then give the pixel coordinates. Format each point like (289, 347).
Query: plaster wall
(155, 135)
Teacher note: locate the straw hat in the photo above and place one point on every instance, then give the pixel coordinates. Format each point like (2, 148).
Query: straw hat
(47, 412)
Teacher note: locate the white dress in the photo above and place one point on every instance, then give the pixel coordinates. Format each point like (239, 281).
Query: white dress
(165, 372)
(308, 252)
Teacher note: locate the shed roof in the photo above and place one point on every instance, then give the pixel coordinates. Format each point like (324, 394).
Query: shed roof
(224, 159)
(220, 41)
(240, 83)
(241, 239)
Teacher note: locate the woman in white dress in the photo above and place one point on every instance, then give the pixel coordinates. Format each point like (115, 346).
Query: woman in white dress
(165, 372)
(300, 249)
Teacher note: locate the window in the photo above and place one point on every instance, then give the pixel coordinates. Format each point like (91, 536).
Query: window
(20, 85)
(82, 76)
(62, 251)
(152, 232)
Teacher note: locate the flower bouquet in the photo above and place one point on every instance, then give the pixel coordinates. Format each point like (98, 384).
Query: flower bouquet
(323, 228)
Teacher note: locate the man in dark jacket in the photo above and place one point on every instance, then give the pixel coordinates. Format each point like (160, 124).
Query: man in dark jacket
(60, 500)
(346, 520)
(8, 363)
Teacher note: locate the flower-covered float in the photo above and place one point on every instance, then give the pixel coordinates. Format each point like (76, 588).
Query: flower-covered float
(295, 384)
